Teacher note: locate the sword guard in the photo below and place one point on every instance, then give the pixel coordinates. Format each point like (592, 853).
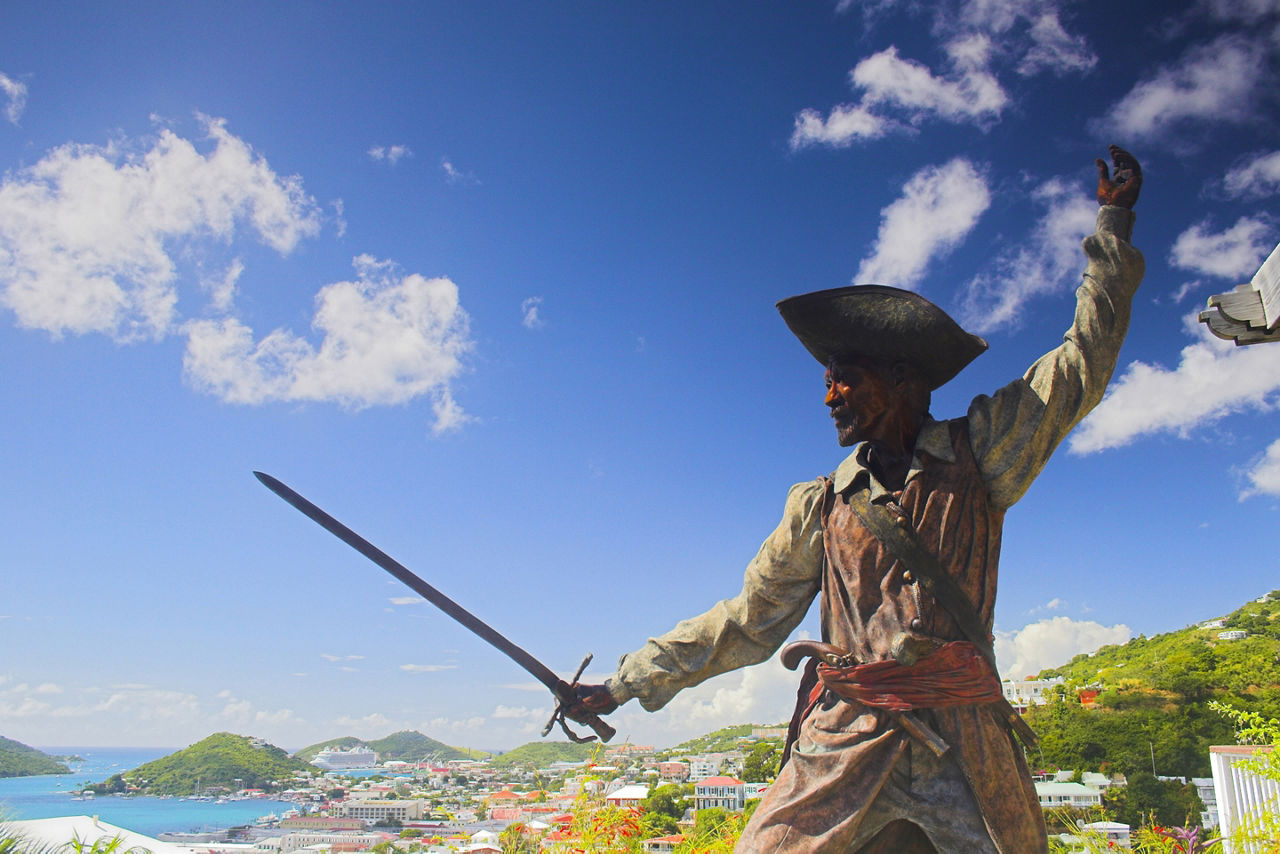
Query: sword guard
(602, 729)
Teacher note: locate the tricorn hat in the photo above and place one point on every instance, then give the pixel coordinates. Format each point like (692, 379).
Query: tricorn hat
(884, 323)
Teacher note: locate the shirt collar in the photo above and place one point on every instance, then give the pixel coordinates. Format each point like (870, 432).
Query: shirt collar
(934, 440)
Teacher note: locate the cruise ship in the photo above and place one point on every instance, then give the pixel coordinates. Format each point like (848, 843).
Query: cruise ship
(335, 758)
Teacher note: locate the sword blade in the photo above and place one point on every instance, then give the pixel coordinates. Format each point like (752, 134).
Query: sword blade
(494, 638)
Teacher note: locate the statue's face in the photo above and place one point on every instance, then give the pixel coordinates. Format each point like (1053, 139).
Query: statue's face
(863, 399)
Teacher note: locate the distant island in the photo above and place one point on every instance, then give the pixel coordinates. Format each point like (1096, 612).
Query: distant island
(18, 760)
(404, 746)
(223, 762)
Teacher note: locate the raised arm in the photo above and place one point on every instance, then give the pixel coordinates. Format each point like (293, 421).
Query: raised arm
(1014, 431)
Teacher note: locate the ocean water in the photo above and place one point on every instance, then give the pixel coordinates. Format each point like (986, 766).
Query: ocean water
(52, 796)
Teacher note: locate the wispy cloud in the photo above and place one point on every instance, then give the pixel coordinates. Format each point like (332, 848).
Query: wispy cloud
(980, 40)
(530, 313)
(1213, 379)
(1215, 82)
(898, 94)
(1234, 254)
(391, 154)
(1263, 475)
(427, 668)
(938, 207)
(1255, 178)
(407, 600)
(1047, 261)
(15, 95)
(330, 657)
(454, 175)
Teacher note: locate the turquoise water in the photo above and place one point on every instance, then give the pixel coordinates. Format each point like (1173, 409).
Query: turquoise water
(51, 796)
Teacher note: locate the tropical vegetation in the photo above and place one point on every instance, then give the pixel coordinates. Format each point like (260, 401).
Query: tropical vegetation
(223, 761)
(19, 760)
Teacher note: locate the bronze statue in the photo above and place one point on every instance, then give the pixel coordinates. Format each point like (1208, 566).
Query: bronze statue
(902, 741)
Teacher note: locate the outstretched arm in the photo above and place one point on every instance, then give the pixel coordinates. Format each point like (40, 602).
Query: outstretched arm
(779, 584)
(1014, 432)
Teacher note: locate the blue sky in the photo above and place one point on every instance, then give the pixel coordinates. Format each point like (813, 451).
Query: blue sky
(494, 284)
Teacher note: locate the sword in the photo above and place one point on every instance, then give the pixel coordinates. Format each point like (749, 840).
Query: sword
(566, 696)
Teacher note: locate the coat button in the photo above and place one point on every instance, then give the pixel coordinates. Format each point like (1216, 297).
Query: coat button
(901, 521)
(917, 625)
(907, 577)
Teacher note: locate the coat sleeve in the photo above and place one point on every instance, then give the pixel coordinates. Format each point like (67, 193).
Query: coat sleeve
(777, 589)
(1014, 431)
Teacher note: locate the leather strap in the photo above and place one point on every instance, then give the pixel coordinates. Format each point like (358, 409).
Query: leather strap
(899, 538)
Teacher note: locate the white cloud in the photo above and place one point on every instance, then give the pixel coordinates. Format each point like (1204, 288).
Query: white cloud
(1233, 254)
(1215, 82)
(407, 600)
(427, 668)
(1264, 474)
(1049, 260)
(454, 175)
(846, 124)
(763, 694)
(386, 338)
(517, 713)
(1184, 290)
(330, 657)
(390, 153)
(86, 232)
(1052, 643)
(1054, 49)
(938, 207)
(969, 93)
(15, 93)
(1257, 178)
(1246, 11)
(530, 311)
(1213, 379)
(48, 688)
(222, 288)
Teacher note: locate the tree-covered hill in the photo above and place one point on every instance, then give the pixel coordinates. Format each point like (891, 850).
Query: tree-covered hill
(722, 740)
(221, 761)
(404, 746)
(1153, 702)
(541, 754)
(18, 760)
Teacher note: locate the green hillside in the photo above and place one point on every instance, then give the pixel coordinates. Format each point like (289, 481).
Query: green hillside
(541, 754)
(221, 761)
(729, 738)
(404, 746)
(18, 760)
(1152, 707)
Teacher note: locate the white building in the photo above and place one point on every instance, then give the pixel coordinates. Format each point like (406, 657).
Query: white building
(627, 796)
(1240, 793)
(380, 810)
(1022, 693)
(1114, 831)
(726, 792)
(308, 838)
(702, 767)
(1075, 795)
(53, 834)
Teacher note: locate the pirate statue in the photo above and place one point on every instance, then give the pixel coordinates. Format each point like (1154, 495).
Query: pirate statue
(902, 741)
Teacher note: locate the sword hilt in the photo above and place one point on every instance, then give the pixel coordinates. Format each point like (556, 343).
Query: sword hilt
(568, 696)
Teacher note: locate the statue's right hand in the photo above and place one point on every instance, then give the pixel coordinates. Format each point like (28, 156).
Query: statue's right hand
(595, 699)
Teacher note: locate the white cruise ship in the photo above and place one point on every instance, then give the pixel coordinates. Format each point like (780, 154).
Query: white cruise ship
(335, 758)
